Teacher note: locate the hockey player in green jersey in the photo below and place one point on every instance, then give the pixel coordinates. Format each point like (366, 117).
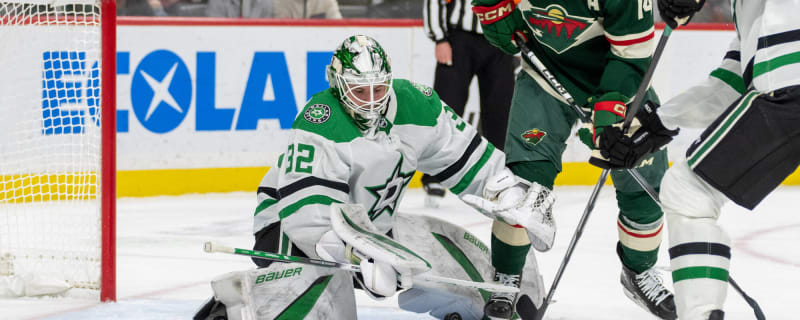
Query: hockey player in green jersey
(598, 50)
(359, 143)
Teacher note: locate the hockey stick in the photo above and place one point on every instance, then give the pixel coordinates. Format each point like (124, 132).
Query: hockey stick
(634, 107)
(635, 174)
(211, 247)
(532, 59)
(752, 302)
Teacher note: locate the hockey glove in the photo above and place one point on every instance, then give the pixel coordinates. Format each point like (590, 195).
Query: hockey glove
(679, 12)
(379, 278)
(646, 135)
(510, 199)
(501, 22)
(607, 110)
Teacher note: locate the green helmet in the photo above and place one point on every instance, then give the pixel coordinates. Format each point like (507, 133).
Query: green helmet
(360, 76)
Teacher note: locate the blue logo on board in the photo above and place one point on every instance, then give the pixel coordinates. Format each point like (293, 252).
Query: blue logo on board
(161, 91)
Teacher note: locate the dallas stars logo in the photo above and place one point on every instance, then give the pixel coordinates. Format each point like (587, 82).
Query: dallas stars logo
(387, 194)
(569, 29)
(317, 113)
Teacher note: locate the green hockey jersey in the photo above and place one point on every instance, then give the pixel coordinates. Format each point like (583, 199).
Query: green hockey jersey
(591, 46)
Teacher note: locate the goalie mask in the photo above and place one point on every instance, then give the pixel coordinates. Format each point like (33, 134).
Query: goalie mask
(360, 76)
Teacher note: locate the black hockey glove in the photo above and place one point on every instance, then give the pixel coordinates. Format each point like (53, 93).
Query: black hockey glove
(646, 135)
(679, 12)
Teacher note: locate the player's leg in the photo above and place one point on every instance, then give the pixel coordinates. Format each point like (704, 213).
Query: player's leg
(452, 85)
(496, 85)
(538, 127)
(639, 226)
(760, 131)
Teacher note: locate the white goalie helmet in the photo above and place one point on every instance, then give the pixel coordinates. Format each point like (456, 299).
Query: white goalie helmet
(360, 75)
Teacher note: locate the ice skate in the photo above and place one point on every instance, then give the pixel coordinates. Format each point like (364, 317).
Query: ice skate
(647, 290)
(501, 305)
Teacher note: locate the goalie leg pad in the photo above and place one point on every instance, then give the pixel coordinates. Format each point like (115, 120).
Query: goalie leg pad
(290, 290)
(457, 253)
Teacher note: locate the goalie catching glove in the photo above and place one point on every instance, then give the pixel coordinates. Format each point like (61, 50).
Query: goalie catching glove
(517, 202)
(611, 147)
(501, 22)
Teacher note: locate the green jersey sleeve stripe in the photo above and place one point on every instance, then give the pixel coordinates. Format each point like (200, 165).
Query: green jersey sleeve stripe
(264, 205)
(462, 161)
(470, 175)
(700, 273)
(731, 79)
(772, 64)
(315, 199)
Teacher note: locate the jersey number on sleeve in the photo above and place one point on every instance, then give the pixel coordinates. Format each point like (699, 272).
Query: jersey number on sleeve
(461, 124)
(304, 158)
(644, 6)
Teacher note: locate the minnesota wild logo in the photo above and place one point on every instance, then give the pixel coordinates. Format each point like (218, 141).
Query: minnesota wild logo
(555, 28)
(533, 136)
(317, 113)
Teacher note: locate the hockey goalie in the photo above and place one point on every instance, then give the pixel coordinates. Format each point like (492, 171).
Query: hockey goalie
(334, 195)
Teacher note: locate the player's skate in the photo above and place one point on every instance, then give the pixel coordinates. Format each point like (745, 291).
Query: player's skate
(648, 292)
(500, 304)
(434, 194)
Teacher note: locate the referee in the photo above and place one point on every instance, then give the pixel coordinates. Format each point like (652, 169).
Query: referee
(462, 53)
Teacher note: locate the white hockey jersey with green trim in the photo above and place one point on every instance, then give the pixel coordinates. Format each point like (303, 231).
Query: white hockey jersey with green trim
(329, 160)
(764, 56)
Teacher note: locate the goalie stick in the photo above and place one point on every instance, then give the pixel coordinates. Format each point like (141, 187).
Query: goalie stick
(212, 247)
(637, 101)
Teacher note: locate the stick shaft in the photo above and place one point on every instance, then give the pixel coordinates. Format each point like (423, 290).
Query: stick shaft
(213, 247)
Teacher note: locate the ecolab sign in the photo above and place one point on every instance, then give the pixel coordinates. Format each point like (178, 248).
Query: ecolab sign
(162, 89)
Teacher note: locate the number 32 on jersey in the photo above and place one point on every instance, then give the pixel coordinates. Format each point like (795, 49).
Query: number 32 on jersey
(298, 159)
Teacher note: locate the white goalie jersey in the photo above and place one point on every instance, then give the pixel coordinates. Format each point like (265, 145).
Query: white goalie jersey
(329, 160)
(764, 56)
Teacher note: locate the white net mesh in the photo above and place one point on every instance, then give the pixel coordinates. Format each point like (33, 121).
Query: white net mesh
(50, 141)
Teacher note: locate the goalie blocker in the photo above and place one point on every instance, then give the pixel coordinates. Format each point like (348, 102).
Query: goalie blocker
(308, 292)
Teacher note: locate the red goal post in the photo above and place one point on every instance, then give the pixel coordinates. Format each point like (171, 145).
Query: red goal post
(57, 146)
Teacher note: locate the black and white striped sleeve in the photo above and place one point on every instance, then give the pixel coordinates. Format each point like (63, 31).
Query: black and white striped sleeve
(434, 19)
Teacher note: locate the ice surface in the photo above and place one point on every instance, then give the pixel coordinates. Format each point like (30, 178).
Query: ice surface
(163, 272)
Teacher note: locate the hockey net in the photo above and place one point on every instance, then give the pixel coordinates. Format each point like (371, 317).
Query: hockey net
(57, 146)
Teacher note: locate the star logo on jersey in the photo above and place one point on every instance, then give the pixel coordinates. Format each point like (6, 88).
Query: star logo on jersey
(387, 194)
(555, 28)
(317, 113)
(533, 136)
